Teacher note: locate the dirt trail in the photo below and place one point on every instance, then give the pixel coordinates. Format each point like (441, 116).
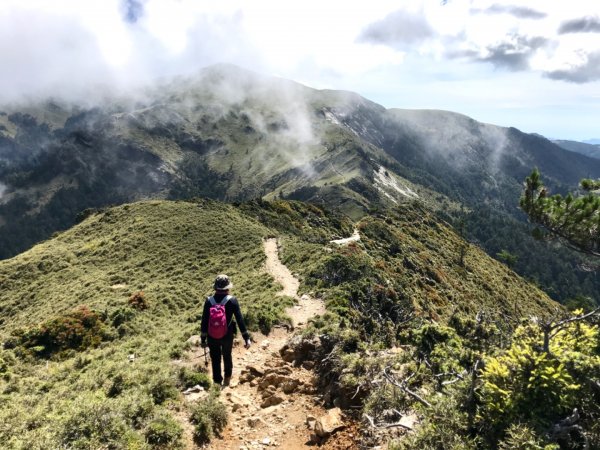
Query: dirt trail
(354, 238)
(269, 400)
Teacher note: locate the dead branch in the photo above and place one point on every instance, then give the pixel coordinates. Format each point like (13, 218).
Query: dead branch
(397, 424)
(454, 373)
(551, 329)
(402, 385)
(449, 382)
(357, 390)
(560, 325)
(370, 419)
(387, 425)
(563, 429)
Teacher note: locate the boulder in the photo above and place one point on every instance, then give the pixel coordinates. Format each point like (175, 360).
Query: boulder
(329, 423)
(299, 350)
(256, 371)
(255, 421)
(290, 385)
(237, 402)
(250, 373)
(288, 354)
(308, 365)
(273, 400)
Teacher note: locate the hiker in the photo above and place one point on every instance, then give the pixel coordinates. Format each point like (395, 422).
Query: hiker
(218, 327)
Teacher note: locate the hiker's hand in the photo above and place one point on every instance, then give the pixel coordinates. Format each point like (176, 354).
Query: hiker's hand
(248, 343)
(203, 343)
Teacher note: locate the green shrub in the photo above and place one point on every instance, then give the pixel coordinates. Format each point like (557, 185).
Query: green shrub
(77, 330)
(6, 360)
(137, 407)
(121, 316)
(519, 436)
(203, 429)
(441, 346)
(264, 316)
(118, 385)
(94, 424)
(443, 427)
(209, 418)
(176, 351)
(526, 384)
(190, 378)
(163, 431)
(162, 390)
(339, 269)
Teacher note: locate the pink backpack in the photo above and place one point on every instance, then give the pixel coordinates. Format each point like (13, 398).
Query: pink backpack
(217, 319)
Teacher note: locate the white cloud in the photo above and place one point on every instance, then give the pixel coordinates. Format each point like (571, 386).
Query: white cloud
(69, 47)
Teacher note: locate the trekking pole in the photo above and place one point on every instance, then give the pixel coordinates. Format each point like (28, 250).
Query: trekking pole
(205, 357)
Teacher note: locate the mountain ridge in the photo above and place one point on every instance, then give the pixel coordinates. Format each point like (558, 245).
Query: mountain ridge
(585, 148)
(234, 135)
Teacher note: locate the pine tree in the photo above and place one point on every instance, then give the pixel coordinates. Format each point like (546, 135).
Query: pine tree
(575, 219)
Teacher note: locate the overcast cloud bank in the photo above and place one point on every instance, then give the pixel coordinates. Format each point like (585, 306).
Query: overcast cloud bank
(412, 54)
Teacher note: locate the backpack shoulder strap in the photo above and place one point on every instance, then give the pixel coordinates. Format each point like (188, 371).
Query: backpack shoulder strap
(226, 299)
(212, 301)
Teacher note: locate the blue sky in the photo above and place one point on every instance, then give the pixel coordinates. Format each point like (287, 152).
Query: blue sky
(531, 64)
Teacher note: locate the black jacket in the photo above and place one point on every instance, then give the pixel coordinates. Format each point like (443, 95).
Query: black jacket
(232, 309)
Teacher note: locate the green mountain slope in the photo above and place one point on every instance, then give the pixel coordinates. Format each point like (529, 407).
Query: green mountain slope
(55, 390)
(234, 135)
(591, 150)
(226, 134)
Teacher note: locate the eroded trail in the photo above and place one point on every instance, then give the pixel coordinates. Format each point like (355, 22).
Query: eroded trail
(307, 306)
(269, 399)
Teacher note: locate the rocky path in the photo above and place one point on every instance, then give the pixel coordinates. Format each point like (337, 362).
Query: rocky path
(271, 402)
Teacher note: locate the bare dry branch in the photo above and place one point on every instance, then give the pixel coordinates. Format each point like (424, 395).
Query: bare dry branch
(402, 385)
(386, 425)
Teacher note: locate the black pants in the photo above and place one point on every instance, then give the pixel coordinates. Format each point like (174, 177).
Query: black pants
(221, 348)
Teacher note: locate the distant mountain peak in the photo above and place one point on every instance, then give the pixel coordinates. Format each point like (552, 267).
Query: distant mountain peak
(595, 141)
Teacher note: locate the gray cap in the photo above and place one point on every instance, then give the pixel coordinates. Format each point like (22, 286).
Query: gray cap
(222, 283)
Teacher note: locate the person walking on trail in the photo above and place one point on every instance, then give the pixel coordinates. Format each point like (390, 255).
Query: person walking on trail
(218, 328)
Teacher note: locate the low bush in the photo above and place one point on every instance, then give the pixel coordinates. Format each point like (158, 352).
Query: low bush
(209, 418)
(95, 424)
(6, 361)
(121, 316)
(163, 431)
(524, 438)
(137, 407)
(264, 316)
(163, 389)
(190, 378)
(77, 330)
(530, 384)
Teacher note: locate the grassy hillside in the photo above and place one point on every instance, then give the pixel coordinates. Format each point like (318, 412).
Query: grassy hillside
(408, 257)
(171, 252)
(56, 390)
